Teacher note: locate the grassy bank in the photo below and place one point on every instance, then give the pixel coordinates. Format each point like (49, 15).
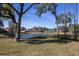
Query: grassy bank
(42, 46)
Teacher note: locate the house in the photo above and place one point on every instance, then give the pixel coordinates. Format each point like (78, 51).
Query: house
(38, 29)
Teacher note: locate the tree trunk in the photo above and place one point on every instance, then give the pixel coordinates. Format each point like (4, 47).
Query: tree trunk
(75, 22)
(14, 29)
(57, 29)
(65, 28)
(19, 28)
(65, 22)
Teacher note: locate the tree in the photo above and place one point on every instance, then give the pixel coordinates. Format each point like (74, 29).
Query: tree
(7, 13)
(65, 18)
(1, 23)
(44, 8)
(20, 12)
(75, 22)
(23, 29)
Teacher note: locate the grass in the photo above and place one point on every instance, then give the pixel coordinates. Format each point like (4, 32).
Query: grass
(38, 47)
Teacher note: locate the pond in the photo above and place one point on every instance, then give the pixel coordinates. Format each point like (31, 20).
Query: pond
(28, 36)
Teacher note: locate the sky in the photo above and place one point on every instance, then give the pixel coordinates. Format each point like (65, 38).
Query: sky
(30, 19)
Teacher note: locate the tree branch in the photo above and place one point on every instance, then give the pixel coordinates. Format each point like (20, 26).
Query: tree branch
(13, 17)
(5, 16)
(10, 17)
(21, 8)
(13, 8)
(29, 7)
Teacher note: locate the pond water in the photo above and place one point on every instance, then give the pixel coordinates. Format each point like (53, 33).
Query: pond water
(27, 36)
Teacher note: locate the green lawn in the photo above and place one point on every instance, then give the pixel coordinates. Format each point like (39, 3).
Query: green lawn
(38, 47)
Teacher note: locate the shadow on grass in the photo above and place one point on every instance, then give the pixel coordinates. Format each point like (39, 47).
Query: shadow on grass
(34, 38)
(57, 40)
(6, 53)
(6, 35)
